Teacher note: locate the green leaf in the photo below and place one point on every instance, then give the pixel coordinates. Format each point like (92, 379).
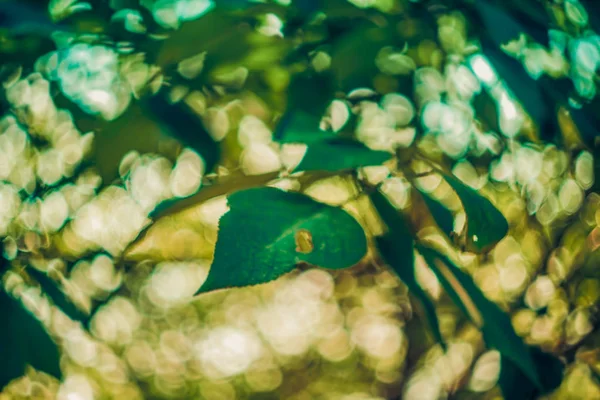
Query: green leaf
(24, 341)
(268, 231)
(442, 216)
(396, 248)
(495, 324)
(515, 385)
(308, 99)
(485, 225)
(340, 154)
(51, 289)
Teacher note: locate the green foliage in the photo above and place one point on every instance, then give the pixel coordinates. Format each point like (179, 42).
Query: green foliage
(231, 44)
(443, 217)
(496, 326)
(338, 155)
(503, 26)
(24, 341)
(308, 99)
(524, 87)
(515, 385)
(353, 55)
(183, 124)
(485, 225)
(396, 248)
(540, 96)
(51, 289)
(268, 231)
(220, 188)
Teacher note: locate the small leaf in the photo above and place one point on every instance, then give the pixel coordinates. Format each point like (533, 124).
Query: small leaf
(59, 298)
(485, 225)
(24, 341)
(308, 99)
(259, 238)
(396, 248)
(442, 216)
(496, 325)
(340, 154)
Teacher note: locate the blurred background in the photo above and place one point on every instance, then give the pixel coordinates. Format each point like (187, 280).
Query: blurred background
(113, 110)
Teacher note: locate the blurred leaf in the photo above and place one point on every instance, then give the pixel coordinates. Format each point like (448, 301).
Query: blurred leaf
(396, 248)
(516, 386)
(21, 18)
(308, 99)
(485, 225)
(301, 7)
(131, 131)
(525, 89)
(227, 185)
(596, 153)
(587, 122)
(495, 324)
(442, 216)
(502, 25)
(279, 230)
(51, 289)
(353, 56)
(218, 33)
(176, 207)
(340, 154)
(298, 126)
(24, 341)
(593, 9)
(585, 115)
(186, 126)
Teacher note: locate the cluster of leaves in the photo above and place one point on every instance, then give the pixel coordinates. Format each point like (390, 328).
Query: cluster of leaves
(257, 244)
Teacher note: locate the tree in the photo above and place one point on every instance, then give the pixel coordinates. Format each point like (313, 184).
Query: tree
(455, 139)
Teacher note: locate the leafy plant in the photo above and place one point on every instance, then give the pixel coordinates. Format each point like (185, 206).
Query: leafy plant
(313, 53)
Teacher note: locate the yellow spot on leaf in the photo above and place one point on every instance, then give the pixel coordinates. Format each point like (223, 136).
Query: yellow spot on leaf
(304, 241)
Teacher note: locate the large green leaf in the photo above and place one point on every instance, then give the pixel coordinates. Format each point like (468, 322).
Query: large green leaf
(495, 324)
(268, 231)
(340, 154)
(309, 95)
(485, 225)
(24, 341)
(396, 248)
